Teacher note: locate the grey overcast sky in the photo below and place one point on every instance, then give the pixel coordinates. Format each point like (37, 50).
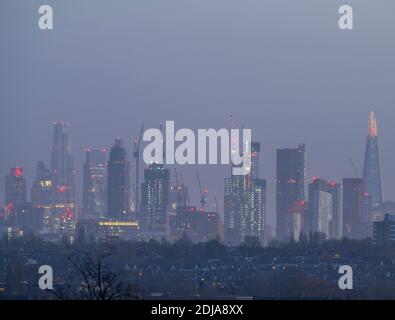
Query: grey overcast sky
(282, 68)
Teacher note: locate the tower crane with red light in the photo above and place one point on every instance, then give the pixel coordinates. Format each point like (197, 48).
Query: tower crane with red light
(203, 193)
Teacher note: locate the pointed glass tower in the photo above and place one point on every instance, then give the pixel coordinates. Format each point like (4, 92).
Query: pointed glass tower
(371, 169)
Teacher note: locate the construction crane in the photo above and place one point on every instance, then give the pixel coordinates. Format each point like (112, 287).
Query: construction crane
(354, 168)
(185, 197)
(203, 192)
(178, 188)
(163, 142)
(136, 156)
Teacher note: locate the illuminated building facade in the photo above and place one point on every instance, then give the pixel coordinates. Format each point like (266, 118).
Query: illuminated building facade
(41, 192)
(63, 179)
(155, 201)
(94, 183)
(244, 204)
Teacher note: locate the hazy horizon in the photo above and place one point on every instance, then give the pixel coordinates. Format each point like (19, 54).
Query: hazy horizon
(282, 68)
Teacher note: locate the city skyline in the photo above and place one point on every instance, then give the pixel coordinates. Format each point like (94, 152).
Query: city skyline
(285, 156)
(144, 66)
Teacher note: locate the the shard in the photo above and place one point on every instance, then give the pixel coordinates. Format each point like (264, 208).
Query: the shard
(371, 169)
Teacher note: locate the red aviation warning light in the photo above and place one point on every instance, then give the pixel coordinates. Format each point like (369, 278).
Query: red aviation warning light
(18, 172)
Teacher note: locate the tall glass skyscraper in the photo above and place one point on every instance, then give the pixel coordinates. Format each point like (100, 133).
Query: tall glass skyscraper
(371, 168)
(63, 178)
(118, 182)
(41, 192)
(245, 204)
(155, 201)
(291, 190)
(94, 183)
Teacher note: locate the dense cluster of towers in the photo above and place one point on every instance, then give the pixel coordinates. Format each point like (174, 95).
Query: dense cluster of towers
(112, 206)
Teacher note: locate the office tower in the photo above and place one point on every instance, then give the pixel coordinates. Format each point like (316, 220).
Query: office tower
(291, 188)
(255, 152)
(371, 168)
(118, 177)
(41, 192)
(255, 220)
(233, 208)
(320, 207)
(155, 201)
(244, 204)
(296, 220)
(336, 224)
(63, 173)
(384, 230)
(357, 206)
(94, 183)
(15, 188)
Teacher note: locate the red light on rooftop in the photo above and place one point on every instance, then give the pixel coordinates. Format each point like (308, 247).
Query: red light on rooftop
(18, 172)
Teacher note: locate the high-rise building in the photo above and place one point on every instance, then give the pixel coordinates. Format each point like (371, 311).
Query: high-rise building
(244, 204)
(356, 208)
(336, 224)
(255, 219)
(118, 177)
(320, 207)
(384, 230)
(155, 201)
(63, 178)
(234, 207)
(371, 168)
(41, 192)
(291, 188)
(15, 188)
(94, 184)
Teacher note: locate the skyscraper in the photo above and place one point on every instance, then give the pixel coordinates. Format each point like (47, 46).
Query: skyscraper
(244, 204)
(63, 175)
(320, 207)
(15, 187)
(155, 201)
(371, 168)
(118, 177)
(234, 207)
(41, 192)
(94, 183)
(336, 224)
(356, 209)
(291, 188)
